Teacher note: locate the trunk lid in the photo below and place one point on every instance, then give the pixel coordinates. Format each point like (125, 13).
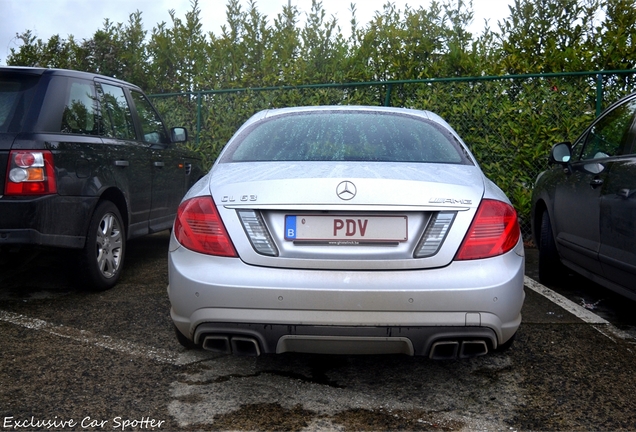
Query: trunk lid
(358, 215)
(279, 184)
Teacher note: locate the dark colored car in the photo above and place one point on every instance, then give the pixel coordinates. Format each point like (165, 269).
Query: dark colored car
(584, 206)
(86, 163)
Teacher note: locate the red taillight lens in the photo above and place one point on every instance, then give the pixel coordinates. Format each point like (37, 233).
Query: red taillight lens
(26, 160)
(199, 228)
(494, 231)
(30, 173)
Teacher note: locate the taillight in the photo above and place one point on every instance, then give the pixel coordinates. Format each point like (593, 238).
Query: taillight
(494, 231)
(199, 227)
(30, 173)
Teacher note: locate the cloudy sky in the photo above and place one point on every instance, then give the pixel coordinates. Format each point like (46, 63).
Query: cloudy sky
(81, 18)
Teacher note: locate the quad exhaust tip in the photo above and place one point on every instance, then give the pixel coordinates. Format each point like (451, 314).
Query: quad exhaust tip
(440, 350)
(238, 345)
(452, 349)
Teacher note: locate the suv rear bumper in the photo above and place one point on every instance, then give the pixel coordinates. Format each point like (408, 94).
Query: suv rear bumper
(36, 238)
(52, 220)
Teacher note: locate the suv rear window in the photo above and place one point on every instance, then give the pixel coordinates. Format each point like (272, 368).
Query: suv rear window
(346, 136)
(16, 93)
(80, 111)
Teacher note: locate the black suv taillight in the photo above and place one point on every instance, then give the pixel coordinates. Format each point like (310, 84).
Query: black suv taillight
(30, 172)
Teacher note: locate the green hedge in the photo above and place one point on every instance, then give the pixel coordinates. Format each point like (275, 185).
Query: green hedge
(509, 124)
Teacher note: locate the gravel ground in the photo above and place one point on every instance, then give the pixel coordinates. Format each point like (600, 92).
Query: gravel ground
(109, 361)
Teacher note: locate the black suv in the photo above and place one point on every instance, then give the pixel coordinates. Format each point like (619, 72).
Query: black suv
(86, 163)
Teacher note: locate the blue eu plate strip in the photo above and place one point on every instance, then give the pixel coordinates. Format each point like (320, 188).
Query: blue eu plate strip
(290, 227)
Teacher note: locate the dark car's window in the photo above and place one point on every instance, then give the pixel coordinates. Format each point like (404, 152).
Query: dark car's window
(80, 109)
(607, 137)
(116, 114)
(16, 93)
(151, 124)
(346, 136)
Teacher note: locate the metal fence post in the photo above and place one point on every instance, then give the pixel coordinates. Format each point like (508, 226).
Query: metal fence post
(599, 93)
(387, 98)
(198, 118)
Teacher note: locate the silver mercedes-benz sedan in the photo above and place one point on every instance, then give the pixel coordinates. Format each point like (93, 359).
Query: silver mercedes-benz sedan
(346, 230)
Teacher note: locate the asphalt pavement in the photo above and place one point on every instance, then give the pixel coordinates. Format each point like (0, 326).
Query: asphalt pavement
(77, 360)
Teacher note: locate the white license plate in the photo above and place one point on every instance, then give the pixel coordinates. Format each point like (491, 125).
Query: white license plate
(346, 228)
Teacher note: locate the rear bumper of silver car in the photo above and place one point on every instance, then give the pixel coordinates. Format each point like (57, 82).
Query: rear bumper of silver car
(248, 309)
(433, 341)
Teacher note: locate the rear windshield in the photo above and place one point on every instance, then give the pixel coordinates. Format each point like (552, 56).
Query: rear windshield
(346, 136)
(16, 92)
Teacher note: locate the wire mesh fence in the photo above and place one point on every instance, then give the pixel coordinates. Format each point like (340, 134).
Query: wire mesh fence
(509, 123)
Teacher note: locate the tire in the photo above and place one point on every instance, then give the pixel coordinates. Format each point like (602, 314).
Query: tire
(184, 341)
(550, 267)
(102, 258)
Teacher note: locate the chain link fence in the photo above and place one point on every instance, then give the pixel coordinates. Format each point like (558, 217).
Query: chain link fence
(509, 123)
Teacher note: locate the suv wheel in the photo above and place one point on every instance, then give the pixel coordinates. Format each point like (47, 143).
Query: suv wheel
(103, 254)
(550, 267)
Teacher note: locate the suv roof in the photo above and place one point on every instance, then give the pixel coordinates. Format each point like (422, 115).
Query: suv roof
(25, 91)
(61, 72)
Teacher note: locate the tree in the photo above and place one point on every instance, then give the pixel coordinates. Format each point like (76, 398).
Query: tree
(55, 53)
(120, 51)
(543, 36)
(617, 42)
(178, 54)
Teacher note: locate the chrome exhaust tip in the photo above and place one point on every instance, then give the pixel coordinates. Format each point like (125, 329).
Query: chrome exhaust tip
(245, 346)
(217, 344)
(450, 350)
(444, 350)
(473, 348)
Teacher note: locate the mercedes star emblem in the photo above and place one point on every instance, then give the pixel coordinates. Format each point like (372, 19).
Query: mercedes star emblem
(346, 190)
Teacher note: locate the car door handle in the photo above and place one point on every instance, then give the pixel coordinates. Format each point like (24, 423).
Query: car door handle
(122, 163)
(596, 182)
(158, 164)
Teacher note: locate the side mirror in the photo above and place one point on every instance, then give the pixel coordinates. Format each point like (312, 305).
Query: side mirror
(561, 153)
(179, 134)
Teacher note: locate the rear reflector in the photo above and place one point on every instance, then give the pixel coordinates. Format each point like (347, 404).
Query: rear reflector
(494, 231)
(257, 233)
(199, 227)
(434, 234)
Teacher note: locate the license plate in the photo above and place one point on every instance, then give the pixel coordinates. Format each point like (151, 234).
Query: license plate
(338, 228)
